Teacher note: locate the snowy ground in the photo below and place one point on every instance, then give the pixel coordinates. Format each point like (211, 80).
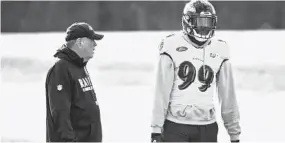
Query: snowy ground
(122, 72)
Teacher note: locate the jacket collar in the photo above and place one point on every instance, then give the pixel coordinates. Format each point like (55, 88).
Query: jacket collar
(66, 53)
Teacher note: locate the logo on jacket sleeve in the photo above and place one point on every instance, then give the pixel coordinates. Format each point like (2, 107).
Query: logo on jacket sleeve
(59, 87)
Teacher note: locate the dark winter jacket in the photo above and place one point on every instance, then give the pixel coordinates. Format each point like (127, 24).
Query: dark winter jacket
(73, 113)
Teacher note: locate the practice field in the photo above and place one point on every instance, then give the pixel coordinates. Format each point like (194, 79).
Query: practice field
(122, 72)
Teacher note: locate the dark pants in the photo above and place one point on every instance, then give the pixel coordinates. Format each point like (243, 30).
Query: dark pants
(173, 132)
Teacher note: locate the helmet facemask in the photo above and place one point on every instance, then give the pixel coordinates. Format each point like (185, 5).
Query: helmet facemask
(200, 26)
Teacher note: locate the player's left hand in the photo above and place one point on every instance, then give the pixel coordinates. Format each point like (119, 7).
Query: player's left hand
(155, 137)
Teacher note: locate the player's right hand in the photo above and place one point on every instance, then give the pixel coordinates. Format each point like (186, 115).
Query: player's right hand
(155, 137)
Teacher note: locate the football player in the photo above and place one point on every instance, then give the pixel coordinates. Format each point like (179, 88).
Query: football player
(192, 64)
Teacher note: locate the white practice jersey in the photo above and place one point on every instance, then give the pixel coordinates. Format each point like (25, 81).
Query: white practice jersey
(186, 82)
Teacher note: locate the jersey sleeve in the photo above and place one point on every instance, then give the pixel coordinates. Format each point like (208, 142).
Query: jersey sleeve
(164, 44)
(227, 97)
(163, 87)
(162, 48)
(224, 49)
(59, 96)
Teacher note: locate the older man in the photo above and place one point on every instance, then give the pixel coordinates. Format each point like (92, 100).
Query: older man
(73, 113)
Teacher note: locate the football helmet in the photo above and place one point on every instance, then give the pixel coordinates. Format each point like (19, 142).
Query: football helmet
(199, 21)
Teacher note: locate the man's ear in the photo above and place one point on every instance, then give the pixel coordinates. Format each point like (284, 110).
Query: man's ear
(79, 42)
